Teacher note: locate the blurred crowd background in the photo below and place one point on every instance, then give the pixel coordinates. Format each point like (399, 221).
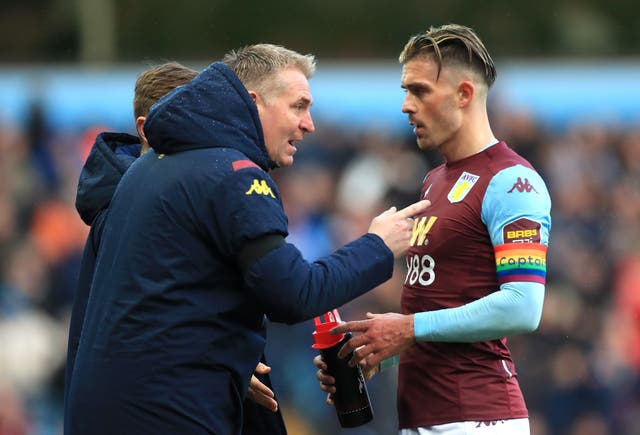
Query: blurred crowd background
(580, 371)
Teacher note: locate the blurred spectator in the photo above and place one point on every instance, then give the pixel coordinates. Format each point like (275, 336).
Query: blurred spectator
(13, 417)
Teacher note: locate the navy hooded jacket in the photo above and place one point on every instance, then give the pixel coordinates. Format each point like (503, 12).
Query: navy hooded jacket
(110, 157)
(174, 328)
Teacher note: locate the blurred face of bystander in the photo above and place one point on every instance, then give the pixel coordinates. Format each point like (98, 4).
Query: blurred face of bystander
(432, 103)
(285, 115)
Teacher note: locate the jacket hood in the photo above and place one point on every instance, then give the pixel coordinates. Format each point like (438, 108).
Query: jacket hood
(110, 157)
(214, 110)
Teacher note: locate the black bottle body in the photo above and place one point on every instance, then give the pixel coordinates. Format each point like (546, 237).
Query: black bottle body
(351, 398)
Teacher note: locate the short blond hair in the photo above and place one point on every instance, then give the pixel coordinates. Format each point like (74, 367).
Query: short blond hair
(455, 45)
(257, 65)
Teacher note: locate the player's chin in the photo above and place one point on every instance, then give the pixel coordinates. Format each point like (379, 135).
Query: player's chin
(424, 143)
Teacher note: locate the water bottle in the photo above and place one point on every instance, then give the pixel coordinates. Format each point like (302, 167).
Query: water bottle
(351, 398)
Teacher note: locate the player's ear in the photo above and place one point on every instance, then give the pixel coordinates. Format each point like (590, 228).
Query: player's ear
(466, 91)
(140, 127)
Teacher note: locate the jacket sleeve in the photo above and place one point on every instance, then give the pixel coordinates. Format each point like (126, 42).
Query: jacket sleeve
(292, 290)
(289, 288)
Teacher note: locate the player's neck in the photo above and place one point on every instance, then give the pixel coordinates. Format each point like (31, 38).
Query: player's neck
(468, 142)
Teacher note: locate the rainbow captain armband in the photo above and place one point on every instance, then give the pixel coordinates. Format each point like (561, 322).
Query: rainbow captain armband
(521, 262)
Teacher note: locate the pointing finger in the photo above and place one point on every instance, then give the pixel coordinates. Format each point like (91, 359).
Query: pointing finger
(389, 211)
(414, 208)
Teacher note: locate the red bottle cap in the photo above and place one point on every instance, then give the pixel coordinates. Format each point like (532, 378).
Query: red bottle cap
(321, 337)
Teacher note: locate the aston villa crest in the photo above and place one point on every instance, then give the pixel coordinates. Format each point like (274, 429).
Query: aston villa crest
(462, 187)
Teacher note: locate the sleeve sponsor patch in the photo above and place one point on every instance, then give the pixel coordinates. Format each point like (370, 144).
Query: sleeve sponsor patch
(524, 262)
(521, 231)
(243, 164)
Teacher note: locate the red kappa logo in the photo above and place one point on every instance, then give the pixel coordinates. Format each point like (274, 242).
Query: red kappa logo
(523, 187)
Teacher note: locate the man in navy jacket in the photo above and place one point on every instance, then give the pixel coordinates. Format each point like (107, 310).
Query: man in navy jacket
(110, 157)
(193, 255)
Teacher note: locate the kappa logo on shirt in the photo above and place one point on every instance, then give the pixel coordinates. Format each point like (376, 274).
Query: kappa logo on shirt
(522, 186)
(462, 187)
(260, 187)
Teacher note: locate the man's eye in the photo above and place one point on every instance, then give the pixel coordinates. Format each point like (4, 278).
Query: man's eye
(418, 91)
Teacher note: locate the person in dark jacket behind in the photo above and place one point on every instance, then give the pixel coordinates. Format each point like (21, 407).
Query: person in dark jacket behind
(193, 255)
(111, 155)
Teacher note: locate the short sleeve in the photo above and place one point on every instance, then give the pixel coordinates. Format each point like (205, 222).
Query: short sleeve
(517, 207)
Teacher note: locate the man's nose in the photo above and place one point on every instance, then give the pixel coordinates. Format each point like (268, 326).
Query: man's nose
(407, 105)
(306, 124)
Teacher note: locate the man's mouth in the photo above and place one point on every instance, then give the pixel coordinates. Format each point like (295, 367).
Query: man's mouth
(417, 127)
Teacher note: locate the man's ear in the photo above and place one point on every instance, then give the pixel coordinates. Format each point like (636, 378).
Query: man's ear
(466, 91)
(254, 96)
(140, 128)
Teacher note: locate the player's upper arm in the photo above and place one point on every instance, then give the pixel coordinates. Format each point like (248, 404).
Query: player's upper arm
(517, 212)
(517, 200)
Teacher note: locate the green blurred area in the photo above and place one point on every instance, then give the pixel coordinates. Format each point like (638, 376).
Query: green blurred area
(109, 31)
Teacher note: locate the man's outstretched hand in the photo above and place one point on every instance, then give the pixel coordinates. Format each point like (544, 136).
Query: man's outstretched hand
(394, 227)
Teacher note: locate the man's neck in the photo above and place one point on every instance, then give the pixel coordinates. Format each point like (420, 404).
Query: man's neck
(470, 140)
(461, 149)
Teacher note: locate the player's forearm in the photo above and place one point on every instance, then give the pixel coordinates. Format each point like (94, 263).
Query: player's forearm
(515, 309)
